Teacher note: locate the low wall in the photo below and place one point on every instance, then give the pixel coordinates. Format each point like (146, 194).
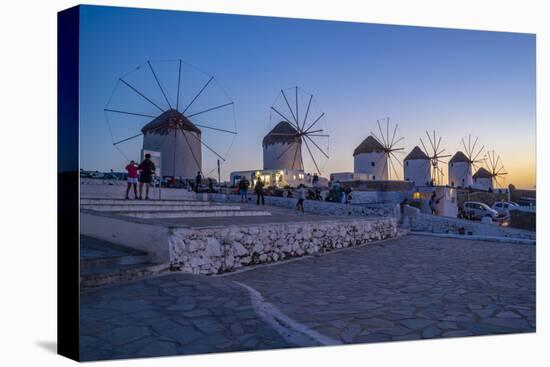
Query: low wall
(218, 250)
(377, 197)
(523, 218)
(315, 206)
(117, 189)
(136, 234)
(417, 221)
(222, 249)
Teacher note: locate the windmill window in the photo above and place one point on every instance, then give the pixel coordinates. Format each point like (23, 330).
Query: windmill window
(372, 164)
(407, 163)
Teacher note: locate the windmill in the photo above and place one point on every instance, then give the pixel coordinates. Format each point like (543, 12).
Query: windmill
(390, 147)
(298, 119)
(472, 154)
(496, 169)
(180, 111)
(435, 154)
(464, 162)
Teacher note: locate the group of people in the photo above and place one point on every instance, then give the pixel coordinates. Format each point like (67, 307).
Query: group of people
(143, 173)
(339, 194)
(244, 185)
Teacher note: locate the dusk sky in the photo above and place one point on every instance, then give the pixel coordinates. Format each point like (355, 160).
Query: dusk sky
(454, 81)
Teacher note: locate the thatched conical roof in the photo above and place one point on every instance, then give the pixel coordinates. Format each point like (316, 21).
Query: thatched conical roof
(482, 173)
(282, 133)
(416, 153)
(459, 157)
(369, 145)
(168, 121)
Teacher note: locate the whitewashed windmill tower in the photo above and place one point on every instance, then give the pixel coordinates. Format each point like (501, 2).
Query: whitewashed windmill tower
(282, 146)
(482, 179)
(179, 142)
(462, 165)
(417, 167)
(460, 171)
(376, 156)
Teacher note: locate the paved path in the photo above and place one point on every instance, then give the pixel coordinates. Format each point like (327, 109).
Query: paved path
(171, 315)
(408, 288)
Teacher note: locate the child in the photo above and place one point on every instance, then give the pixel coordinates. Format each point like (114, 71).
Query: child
(132, 169)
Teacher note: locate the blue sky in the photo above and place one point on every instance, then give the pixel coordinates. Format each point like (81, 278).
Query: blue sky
(455, 81)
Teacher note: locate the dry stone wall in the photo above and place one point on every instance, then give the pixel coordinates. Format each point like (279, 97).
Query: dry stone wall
(218, 250)
(417, 221)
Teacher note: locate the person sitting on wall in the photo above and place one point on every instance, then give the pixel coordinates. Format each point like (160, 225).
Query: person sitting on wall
(132, 169)
(147, 169)
(243, 189)
(259, 189)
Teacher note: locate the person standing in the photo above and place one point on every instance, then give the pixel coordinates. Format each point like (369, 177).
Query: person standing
(259, 189)
(433, 202)
(198, 181)
(243, 189)
(132, 170)
(301, 198)
(147, 169)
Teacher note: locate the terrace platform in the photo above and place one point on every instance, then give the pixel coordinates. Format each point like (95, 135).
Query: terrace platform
(209, 237)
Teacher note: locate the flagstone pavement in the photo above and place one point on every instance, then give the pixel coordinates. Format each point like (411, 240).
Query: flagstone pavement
(412, 287)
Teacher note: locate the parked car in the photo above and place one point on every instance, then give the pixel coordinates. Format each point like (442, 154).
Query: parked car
(477, 210)
(503, 207)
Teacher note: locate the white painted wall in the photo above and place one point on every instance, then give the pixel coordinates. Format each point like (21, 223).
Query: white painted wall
(363, 163)
(460, 174)
(417, 171)
(276, 160)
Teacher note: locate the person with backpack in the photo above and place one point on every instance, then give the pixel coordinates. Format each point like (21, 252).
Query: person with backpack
(147, 170)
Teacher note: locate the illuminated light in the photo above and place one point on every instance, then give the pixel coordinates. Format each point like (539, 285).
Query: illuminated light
(416, 195)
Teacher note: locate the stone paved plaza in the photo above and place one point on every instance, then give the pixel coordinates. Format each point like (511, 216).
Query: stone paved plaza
(412, 287)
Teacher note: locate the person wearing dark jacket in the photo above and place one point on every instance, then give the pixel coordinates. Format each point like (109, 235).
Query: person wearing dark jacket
(259, 189)
(243, 189)
(147, 170)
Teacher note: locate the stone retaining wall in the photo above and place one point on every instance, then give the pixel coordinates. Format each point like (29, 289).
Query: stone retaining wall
(315, 206)
(417, 221)
(218, 250)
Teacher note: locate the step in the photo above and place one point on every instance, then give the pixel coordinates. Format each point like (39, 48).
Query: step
(97, 277)
(194, 213)
(97, 253)
(121, 201)
(155, 207)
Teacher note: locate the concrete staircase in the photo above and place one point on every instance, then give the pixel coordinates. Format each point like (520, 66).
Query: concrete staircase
(166, 208)
(103, 263)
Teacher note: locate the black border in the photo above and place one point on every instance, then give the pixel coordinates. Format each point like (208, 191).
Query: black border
(68, 244)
